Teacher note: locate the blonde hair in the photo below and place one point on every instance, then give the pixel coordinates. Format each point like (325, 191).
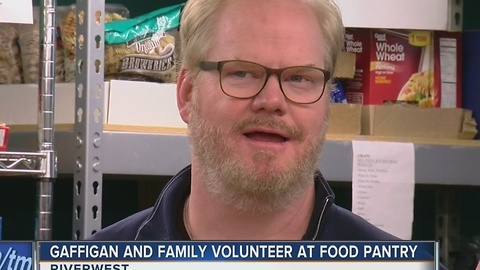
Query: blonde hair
(198, 19)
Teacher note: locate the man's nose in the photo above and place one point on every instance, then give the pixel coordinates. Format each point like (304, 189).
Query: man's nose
(271, 97)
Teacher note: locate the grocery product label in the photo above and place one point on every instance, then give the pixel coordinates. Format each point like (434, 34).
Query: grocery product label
(420, 38)
(153, 54)
(390, 66)
(448, 76)
(143, 46)
(355, 98)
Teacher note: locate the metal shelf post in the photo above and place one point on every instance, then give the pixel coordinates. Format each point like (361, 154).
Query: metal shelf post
(46, 122)
(447, 223)
(89, 96)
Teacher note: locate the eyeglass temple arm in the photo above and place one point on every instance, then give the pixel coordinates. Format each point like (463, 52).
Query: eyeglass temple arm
(206, 65)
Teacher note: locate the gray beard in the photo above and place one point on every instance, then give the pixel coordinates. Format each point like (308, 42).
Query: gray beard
(268, 187)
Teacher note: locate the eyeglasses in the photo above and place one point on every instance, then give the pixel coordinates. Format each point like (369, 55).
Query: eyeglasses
(244, 79)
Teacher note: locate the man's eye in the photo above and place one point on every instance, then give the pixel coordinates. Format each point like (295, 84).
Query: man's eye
(240, 73)
(244, 74)
(297, 78)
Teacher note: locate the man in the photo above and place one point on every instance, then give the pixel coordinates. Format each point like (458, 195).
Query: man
(254, 90)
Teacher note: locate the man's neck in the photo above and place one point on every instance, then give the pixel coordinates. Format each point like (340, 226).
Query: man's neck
(209, 219)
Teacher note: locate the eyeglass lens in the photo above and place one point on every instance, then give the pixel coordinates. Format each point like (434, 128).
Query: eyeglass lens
(301, 84)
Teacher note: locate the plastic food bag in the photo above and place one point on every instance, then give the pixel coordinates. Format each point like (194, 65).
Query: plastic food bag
(29, 41)
(10, 59)
(143, 48)
(113, 12)
(337, 95)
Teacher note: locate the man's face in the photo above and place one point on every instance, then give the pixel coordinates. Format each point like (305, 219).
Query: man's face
(259, 154)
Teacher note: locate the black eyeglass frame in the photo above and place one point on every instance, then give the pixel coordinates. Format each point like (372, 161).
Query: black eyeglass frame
(212, 65)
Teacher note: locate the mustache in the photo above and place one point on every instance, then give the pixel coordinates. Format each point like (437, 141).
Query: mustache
(292, 131)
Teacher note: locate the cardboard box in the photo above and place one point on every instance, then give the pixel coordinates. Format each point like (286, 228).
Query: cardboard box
(132, 103)
(421, 67)
(414, 122)
(345, 67)
(126, 103)
(345, 119)
(27, 95)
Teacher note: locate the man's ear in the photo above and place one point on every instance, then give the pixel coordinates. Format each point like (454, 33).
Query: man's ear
(184, 94)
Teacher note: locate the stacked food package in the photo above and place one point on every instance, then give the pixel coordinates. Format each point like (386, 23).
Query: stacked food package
(113, 12)
(20, 50)
(143, 48)
(140, 48)
(419, 68)
(10, 61)
(29, 44)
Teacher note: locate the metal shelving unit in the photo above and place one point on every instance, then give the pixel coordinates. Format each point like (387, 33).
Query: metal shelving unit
(88, 124)
(42, 163)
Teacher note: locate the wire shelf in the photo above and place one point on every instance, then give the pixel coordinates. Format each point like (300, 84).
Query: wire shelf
(21, 164)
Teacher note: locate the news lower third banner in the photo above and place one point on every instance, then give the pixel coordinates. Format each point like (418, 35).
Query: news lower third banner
(213, 255)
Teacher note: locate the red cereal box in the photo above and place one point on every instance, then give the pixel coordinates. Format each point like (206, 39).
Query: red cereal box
(419, 67)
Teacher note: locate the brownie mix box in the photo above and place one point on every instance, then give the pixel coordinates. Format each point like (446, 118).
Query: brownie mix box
(418, 67)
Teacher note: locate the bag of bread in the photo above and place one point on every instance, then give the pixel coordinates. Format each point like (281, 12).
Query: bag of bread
(143, 48)
(10, 59)
(29, 41)
(113, 12)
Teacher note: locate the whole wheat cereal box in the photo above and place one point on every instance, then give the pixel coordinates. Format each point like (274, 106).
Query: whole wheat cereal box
(403, 66)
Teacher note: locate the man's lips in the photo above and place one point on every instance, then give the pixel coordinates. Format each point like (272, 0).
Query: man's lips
(265, 137)
(268, 130)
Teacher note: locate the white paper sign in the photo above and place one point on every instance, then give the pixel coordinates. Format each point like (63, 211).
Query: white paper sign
(16, 11)
(383, 185)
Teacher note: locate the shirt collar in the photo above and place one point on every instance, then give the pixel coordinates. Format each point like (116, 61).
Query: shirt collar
(165, 222)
